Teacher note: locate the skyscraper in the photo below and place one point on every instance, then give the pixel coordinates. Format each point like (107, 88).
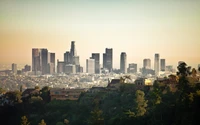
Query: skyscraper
(108, 59)
(67, 57)
(147, 63)
(156, 64)
(51, 63)
(162, 64)
(36, 60)
(40, 60)
(14, 68)
(104, 60)
(123, 61)
(90, 66)
(95, 56)
(73, 49)
(44, 57)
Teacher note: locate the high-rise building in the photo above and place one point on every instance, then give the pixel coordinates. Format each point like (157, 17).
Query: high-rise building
(147, 63)
(96, 57)
(51, 63)
(73, 49)
(36, 60)
(132, 68)
(60, 67)
(14, 68)
(40, 60)
(162, 64)
(44, 56)
(156, 64)
(104, 60)
(123, 62)
(67, 57)
(108, 59)
(90, 66)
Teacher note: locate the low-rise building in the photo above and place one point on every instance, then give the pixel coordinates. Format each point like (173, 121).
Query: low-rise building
(65, 94)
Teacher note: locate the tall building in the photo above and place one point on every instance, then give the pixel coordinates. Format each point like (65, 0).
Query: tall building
(36, 60)
(96, 57)
(51, 63)
(104, 60)
(90, 66)
(132, 68)
(108, 59)
(123, 62)
(14, 68)
(147, 63)
(67, 57)
(44, 57)
(156, 63)
(40, 60)
(162, 64)
(73, 49)
(60, 67)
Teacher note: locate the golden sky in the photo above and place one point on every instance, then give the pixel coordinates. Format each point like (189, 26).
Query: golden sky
(139, 28)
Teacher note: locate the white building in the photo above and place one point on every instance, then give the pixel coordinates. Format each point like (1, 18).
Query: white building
(90, 66)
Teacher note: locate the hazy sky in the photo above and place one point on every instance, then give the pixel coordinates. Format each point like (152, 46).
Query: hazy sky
(141, 28)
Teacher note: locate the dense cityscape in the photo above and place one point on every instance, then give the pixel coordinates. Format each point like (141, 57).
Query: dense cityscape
(70, 74)
(92, 62)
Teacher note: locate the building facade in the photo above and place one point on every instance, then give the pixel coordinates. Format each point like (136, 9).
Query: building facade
(90, 66)
(14, 68)
(162, 64)
(156, 63)
(147, 63)
(123, 62)
(108, 59)
(96, 57)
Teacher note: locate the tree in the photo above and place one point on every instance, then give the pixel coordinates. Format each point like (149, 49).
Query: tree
(24, 121)
(141, 103)
(183, 69)
(96, 115)
(45, 94)
(14, 96)
(42, 122)
(60, 123)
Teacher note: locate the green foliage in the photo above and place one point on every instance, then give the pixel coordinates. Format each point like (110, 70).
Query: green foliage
(42, 122)
(141, 103)
(45, 94)
(60, 123)
(24, 121)
(14, 96)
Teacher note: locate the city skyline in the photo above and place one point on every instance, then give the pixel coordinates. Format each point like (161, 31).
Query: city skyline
(140, 29)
